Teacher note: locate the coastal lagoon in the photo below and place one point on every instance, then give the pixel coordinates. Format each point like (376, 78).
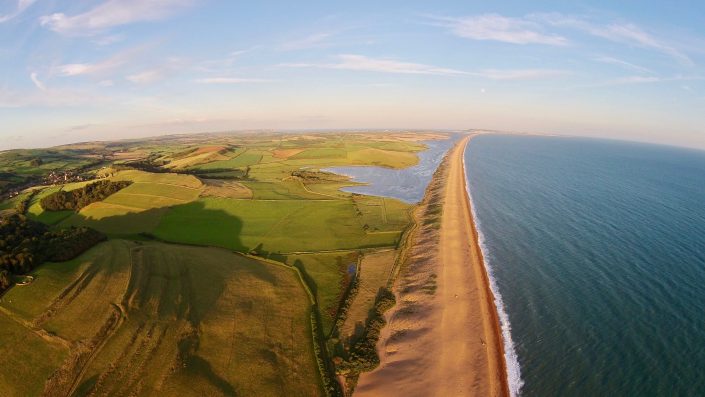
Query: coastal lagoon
(598, 251)
(407, 184)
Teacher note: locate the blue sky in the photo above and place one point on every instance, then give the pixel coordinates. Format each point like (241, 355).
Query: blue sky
(109, 69)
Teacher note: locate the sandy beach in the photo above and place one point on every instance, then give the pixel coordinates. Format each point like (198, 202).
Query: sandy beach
(443, 337)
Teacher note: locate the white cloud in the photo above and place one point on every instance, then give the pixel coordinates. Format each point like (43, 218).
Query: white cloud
(101, 67)
(619, 32)
(37, 82)
(636, 80)
(217, 66)
(521, 74)
(48, 97)
(75, 69)
(108, 40)
(112, 13)
(312, 41)
(106, 83)
(21, 6)
(146, 77)
(230, 80)
(639, 79)
(496, 27)
(384, 65)
(159, 72)
(624, 64)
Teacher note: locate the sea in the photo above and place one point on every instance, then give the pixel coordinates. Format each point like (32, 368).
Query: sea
(596, 252)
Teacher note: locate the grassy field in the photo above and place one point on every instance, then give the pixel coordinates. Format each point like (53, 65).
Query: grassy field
(26, 358)
(139, 207)
(142, 319)
(279, 226)
(156, 319)
(327, 276)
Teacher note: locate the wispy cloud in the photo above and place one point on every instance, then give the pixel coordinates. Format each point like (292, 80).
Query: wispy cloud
(640, 79)
(108, 40)
(157, 73)
(110, 14)
(635, 80)
(35, 79)
(495, 27)
(312, 41)
(521, 74)
(619, 32)
(19, 9)
(146, 76)
(384, 65)
(100, 67)
(222, 64)
(54, 98)
(231, 80)
(622, 63)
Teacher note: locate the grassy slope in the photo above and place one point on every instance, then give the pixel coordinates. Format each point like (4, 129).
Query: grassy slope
(199, 321)
(25, 358)
(278, 226)
(375, 269)
(140, 206)
(326, 270)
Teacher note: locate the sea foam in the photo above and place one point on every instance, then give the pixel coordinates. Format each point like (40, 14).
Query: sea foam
(510, 356)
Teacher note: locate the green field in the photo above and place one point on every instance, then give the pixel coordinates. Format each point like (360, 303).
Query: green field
(326, 274)
(139, 207)
(157, 319)
(165, 307)
(280, 226)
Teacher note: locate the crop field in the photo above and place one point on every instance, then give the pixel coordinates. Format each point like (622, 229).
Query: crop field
(139, 319)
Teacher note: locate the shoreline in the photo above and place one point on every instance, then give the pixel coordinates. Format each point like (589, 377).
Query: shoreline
(444, 335)
(490, 295)
(512, 373)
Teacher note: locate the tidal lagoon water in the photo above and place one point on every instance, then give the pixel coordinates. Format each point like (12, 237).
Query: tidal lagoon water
(597, 249)
(406, 184)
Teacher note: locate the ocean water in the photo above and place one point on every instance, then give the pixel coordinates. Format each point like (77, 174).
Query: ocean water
(407, 184)
(597, 250)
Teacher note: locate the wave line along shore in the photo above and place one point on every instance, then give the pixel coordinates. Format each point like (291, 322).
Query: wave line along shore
(443, 337)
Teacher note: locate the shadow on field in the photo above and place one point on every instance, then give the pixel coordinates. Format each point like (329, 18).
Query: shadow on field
(190, 224)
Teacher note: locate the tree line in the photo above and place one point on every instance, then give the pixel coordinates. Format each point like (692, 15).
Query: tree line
(79, 198)
(25, 244)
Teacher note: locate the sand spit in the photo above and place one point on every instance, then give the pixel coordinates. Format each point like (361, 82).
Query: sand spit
(443, 337)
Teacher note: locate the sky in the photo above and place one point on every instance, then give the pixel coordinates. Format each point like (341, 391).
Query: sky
(73, 71)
